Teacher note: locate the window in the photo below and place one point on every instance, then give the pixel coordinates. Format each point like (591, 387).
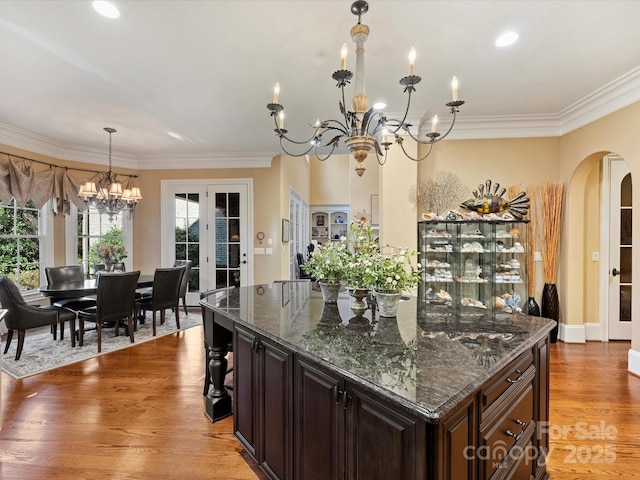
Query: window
(92, 229)
(23, 250)
(187, 236)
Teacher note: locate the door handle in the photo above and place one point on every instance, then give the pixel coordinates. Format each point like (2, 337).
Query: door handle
(615, 272)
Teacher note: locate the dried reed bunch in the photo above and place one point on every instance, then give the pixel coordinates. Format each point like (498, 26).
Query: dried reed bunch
(513, 190)
(533, 217)
(552, 216)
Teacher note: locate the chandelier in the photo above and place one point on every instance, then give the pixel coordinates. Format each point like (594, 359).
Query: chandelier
(106, 194)
(363, 129)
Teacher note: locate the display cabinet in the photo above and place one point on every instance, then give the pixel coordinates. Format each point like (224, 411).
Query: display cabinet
(475, 266)
(329, 222)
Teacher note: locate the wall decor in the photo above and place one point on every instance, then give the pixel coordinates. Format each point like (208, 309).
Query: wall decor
(285, 230)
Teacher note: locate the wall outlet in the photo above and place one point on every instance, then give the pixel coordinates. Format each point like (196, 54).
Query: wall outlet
(537, 256)
(595, 256)
(269, 241)
(258, 251)
(269, 251)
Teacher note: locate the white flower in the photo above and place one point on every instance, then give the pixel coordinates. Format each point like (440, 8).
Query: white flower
(397, 277)
(389, 280)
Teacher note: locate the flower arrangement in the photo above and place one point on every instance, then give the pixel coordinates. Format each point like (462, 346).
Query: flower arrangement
(112, 253)
(328, 262)
(393, 272)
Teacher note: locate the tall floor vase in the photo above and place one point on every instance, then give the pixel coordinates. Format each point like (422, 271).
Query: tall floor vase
(551, 307)
(533, 308)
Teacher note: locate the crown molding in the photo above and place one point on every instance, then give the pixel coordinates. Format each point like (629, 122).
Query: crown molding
(206, 160)
(621, 92)
(617, 94)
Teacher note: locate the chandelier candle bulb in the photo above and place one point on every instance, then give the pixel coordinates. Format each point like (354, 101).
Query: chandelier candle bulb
(434, 124)
(276, 93)
(343, 57)
(412, 60)
(454, 89)
(281, 120)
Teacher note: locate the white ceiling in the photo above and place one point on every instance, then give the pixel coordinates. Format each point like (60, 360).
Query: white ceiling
(206, 69)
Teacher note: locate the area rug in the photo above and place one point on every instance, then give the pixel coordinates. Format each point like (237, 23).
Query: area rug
(41, 352)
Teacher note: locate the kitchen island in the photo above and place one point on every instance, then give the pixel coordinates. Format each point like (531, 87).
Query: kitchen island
(435, 393)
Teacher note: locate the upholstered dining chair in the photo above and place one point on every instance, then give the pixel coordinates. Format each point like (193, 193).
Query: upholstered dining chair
(166, 287)
(21, 316)
(114, 302)
(60, 276)
(184, 284)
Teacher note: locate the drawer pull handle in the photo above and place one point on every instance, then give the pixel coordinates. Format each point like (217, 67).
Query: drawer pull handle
(517, 436)
(517, 379)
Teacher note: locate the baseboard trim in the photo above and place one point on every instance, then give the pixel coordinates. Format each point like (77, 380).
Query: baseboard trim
(572, 333)
(594, 332)
(634, 362)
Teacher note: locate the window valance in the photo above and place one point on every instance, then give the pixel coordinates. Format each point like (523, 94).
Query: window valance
(20, 180)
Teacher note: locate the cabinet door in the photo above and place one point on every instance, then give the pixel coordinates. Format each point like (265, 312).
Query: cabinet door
(245, 389)
(276, 399)
(319, 425)
(382, 443)
(457, 452)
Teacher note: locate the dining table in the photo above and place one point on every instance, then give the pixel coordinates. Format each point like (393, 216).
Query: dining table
(85, 288)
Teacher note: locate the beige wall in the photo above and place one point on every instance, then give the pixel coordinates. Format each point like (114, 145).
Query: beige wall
(617, 132)
(330, 181)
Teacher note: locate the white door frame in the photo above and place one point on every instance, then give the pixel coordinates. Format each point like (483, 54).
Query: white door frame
(605, 245)
(166, 225)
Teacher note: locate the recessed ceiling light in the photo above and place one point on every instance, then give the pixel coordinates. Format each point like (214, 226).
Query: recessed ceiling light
(507, 39)
(106, 9)
(175, 135)
(379, 106)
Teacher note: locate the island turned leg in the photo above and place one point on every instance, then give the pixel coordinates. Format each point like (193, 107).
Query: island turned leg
(218, 400)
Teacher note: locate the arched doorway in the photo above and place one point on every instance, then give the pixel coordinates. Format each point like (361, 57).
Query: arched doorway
(590, 284)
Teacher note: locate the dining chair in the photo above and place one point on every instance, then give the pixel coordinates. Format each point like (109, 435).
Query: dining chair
(64, 275)
(21, 316)
(184, 284)
(166, 287)
(115, 297)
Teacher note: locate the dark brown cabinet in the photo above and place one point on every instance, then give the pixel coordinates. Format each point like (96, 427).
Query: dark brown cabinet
(263, 401)
(465, 409)
(343, 432)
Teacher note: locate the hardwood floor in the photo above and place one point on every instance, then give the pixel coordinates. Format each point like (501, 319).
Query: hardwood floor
(138, 414)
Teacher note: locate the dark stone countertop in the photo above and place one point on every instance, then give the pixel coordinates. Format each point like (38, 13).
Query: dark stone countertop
(428, 359)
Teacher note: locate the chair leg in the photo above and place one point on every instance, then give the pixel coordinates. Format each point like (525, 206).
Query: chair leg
(154, 323)
(61, 330)
(131, 322)
(184, 305)
(81, 333)
(178, 316)
(20, 343)
(9, 337)
(72, 332)
(54, 330)
(99, 326)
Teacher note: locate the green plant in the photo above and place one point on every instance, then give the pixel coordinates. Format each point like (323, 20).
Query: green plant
(328, 262)
(393, 272)
(110, 249)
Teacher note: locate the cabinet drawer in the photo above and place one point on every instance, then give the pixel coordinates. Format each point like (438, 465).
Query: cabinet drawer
(499, 437)
(509, 377)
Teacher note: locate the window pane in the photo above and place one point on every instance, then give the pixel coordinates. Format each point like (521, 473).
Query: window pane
(626, 215)
(625, 265)
(96, 231)
(234, 230)
(626, 191)
(221, 279)
(234, 205)
(625, 303)
(20, 244)
(221, 204)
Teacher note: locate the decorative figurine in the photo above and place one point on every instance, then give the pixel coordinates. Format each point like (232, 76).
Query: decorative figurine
(492, 202)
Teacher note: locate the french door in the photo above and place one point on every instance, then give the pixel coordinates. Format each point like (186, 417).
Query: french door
(620, 241)
(208, 222)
